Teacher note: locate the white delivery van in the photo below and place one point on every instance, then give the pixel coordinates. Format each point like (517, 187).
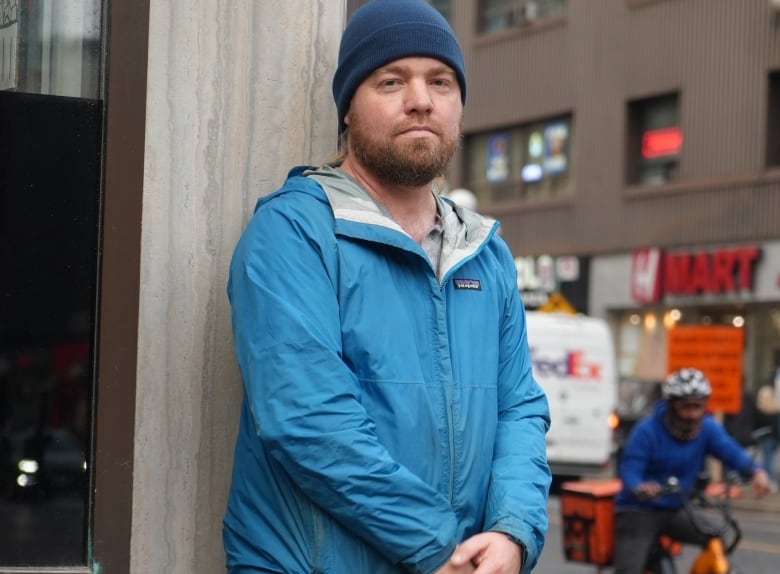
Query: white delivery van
(573, 359)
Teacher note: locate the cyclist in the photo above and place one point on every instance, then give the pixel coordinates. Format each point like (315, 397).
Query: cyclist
(673, 441)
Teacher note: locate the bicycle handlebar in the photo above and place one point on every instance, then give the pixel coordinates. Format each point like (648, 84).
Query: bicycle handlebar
(703, 499)
(671, 486)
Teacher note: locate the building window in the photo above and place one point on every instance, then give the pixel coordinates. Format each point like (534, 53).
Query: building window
(444, 7)
(51, 120)
(654, 140)
(51, 47)
(532, 161)
(773, 121)
(497, 15)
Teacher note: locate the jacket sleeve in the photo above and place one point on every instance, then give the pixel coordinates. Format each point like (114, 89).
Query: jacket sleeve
(305, 399)
(725, 448)
(520, 479)
(634, 460)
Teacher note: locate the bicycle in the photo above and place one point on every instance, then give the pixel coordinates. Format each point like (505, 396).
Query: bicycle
(587, 509)
(714, 557)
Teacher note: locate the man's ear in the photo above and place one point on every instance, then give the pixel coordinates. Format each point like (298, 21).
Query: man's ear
(346, 117)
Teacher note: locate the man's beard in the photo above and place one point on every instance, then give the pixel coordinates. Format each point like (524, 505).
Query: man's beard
(681, 429)
(411, 163)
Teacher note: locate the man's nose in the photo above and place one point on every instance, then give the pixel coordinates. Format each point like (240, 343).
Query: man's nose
(418, 96)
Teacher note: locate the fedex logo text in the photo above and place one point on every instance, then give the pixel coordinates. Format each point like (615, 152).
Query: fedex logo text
(572, 364)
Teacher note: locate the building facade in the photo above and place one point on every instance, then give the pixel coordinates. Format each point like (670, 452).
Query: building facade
(603, 131)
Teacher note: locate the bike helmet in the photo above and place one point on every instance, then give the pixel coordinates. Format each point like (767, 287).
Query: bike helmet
(685, 383)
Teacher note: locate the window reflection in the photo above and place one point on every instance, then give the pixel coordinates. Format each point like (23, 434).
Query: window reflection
(43, 446)
(51, 46)
(50, 158)
(49, 205)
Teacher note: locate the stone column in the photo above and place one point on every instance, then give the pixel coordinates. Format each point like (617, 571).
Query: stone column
(238, 92)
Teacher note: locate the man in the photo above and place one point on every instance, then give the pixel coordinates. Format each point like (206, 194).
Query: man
(391, 422)
(672, 442)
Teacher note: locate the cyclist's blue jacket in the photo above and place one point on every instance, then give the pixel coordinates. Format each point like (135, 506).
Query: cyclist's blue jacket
(388, 413)
(653, 454)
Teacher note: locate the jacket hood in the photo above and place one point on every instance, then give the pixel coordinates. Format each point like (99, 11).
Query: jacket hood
(464, 230)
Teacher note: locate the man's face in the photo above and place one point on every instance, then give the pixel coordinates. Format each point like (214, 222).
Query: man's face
(686, 416)
(405, 121)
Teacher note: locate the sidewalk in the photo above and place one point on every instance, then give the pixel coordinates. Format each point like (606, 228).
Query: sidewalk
(770, 503)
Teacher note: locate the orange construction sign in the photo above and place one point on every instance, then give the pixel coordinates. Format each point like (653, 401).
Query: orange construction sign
(717, 352)
(557, 302)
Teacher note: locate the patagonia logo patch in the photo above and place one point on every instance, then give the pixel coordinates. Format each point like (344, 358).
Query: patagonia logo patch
(472, 284)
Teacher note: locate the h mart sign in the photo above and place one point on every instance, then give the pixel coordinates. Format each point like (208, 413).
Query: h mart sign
(655, 273)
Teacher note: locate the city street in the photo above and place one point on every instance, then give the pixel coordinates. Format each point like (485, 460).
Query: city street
(758, 552)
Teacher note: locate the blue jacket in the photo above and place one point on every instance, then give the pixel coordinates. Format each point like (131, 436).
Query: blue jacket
(388, 414)
(653, 454)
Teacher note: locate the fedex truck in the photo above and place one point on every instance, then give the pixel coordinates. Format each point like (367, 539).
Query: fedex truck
(573, 359)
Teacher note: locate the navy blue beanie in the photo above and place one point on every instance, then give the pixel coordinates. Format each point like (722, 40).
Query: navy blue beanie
(386, 30)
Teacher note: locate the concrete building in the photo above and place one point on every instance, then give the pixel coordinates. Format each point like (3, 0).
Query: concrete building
(631, 149)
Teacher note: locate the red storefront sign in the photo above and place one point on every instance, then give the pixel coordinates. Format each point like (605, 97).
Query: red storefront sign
(655, 273)
(646, 275)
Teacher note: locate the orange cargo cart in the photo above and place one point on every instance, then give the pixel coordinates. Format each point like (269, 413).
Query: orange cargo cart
(588, 520)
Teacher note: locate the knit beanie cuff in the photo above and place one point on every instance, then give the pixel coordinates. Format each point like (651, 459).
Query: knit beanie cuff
(383, 31)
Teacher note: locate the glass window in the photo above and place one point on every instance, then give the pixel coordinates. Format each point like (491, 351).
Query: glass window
(50, 164)
(9, 42)
(655, 140)
(50, 46)
(532, 161)
(766, 365)
(496, 15)
(444, 7)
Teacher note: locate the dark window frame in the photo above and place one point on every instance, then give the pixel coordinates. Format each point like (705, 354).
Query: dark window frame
(773, 120)
(127, 50)
(636, 123)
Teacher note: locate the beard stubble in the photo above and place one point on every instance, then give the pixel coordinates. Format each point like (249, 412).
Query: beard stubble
(408, 163)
